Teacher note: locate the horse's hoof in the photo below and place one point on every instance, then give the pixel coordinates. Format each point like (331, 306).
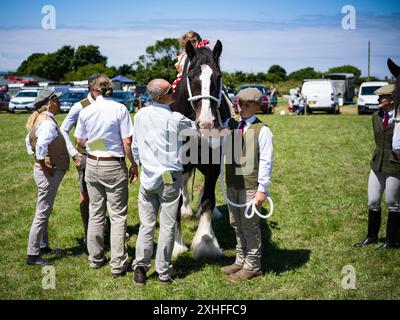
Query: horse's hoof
(179, 249)
(186, 213)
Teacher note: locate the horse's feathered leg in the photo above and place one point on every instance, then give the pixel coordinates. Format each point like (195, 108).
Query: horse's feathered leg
(205, 243)
(179, 246)
(186, 210)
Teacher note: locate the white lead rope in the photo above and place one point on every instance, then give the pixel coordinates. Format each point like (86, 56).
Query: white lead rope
(247, 205)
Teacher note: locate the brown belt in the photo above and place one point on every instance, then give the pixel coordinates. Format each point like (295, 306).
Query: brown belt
(105, 158)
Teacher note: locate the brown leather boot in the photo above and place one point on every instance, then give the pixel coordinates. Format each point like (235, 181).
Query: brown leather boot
(233, 268)
(244, 274)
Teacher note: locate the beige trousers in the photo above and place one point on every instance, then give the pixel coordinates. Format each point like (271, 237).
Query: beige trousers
(107, 185)
(248, 231)
(47, 190)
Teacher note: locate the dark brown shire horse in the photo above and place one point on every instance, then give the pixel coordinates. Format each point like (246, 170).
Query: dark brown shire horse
(395, 70)
(199, 97)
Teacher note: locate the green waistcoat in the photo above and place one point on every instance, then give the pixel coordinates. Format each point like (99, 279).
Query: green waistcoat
(384, 159)
(249, 157)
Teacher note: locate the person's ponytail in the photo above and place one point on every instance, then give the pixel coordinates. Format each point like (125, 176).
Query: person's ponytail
(32, 119)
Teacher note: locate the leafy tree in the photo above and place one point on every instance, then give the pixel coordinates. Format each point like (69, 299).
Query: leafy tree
(158, 61)
(58, 63)
(85, 72)
(87, 55)
(52, 66)
(27, 65)
(228, 80)
(276, 74)
(305, 73)
(346, 69)
(125, 70)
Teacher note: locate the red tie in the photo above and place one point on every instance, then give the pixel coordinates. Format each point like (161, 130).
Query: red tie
(242, 125)
(386, 120)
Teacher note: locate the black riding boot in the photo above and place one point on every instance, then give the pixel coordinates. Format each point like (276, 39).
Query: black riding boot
(392, 230)
(374, 224)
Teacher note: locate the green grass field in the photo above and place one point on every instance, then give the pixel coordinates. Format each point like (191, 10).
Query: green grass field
(320, 174)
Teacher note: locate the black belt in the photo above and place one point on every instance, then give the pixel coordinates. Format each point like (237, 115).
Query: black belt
(105, 158)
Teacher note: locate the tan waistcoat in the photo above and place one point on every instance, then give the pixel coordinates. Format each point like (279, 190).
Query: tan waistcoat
(57, 154)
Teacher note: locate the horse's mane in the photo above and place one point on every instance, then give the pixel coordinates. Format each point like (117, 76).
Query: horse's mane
(204, 56)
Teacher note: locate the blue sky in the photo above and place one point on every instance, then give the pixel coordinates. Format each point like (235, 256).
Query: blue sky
(255, 33)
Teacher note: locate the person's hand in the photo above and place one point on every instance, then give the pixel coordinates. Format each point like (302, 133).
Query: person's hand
(260, 198)
(48, 169)
(78, 159)
(133, 173)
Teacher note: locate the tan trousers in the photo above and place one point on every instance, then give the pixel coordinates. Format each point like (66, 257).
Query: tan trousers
(107, 185)
(248, 231)
(47, 190)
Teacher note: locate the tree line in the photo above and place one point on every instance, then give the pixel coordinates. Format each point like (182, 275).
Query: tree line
(70, 64)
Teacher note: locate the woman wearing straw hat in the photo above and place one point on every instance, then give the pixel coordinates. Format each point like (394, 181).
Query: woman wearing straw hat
(47, 144)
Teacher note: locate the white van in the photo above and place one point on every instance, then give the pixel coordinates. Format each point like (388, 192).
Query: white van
(321, 95)
(367, 101)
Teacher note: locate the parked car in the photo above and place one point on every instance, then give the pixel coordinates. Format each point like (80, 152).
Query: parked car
(265, 105)
(67, 100)
(124, 97)
(4, 101)
(23, 101)
(231, 92)
(321, 95)
(367, 101)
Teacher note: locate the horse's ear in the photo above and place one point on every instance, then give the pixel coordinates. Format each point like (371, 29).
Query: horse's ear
(394, 68)
(217, 50)
(190, 50)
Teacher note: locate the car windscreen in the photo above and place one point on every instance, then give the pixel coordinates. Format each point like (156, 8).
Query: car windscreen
(368, 91)
(73, 96)
(26, 94)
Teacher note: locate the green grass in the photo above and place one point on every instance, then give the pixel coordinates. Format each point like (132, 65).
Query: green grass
(320, 174)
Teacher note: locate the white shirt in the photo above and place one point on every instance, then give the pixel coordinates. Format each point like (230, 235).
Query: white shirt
(70, 122)
(156, 146)
(104, 124)
(391, 117)
(266, 149)
(45, 133)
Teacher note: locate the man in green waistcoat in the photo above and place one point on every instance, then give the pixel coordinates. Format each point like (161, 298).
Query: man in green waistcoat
(385, 173)
(248, 176)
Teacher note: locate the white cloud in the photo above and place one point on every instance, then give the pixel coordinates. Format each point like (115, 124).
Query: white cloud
(248, 46)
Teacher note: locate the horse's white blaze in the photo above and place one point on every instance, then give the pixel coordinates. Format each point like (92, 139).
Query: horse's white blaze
(206, 118)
